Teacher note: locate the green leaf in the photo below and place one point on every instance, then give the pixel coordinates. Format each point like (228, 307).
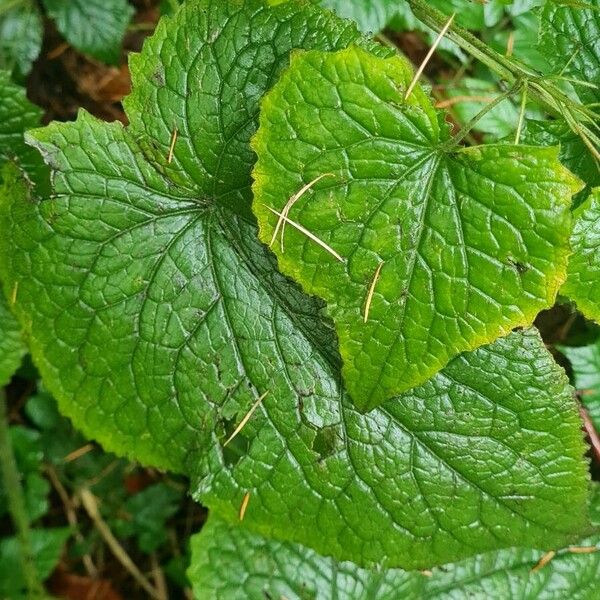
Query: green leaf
(573, 152)
(157, 319)
(472, 15)
(95, 27)
(147, 514)
(370, 15)
(21, 32)
(585, 361)
(460, 245)
(583, 279)
(570, 38)
(131, 239)
(17, 115)
(46, 548)
(311, 459)
(12, 348)
(229, 562)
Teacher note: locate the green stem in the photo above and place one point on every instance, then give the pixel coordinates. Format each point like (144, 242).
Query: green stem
(542, 89)
(16, 502)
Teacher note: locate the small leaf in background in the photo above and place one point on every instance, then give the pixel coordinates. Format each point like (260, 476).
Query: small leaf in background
(146, 515)
(229, 562)
(585, 361)
(371, 16)
(29, 456)
(469, 96)
(583, 279)
(94, 27)
(465, 243)
(17, 115)
(46, 548)
(21, 32)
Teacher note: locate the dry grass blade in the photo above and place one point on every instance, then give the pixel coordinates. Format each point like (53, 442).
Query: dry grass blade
(172, 145)
(308, 234)
(13, 297)
(583, 549)
(544, 561)
(91, 507)
(244, 505)
(286, 209)
(79, 452)
(427, 58)
(245, 419)
(372, 291)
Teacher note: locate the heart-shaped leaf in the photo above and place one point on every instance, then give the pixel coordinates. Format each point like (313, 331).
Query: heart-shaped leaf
(441, 249)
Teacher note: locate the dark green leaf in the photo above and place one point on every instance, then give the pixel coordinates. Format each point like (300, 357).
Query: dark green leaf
(230, 563)
(46, 548)
(21, 31)
(463, 244)
(95, 27)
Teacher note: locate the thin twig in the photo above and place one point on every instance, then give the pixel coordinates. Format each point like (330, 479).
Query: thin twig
(244, 505)
(71, 515)
(459, 99)
(372, 291)
(91, 506)
(427, 58)
(159, 578)
(79, 452)
(521, 115)
(308, 234)
(13, 297)
(583, 549)
(590, 429)
(510, 44)
(245, 419)
(172, 146)
(544, 561)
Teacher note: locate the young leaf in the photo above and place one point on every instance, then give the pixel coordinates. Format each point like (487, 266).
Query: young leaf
(229, 562)
(473, 241)
(21, 32)
(585, 361)
(95, 27)
(583, 279)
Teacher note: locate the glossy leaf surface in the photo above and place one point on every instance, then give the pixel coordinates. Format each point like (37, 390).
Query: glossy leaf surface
(442, 248)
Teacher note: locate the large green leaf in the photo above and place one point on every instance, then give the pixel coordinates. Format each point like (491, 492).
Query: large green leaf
(157, 318)
(131, 239)
(472, 241)
(95, 27)
(230, 563)
(583, 280)
(585, 361)
(21, 32)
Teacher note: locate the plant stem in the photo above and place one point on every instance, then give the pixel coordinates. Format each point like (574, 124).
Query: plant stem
(540, 88)
(16, 503)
